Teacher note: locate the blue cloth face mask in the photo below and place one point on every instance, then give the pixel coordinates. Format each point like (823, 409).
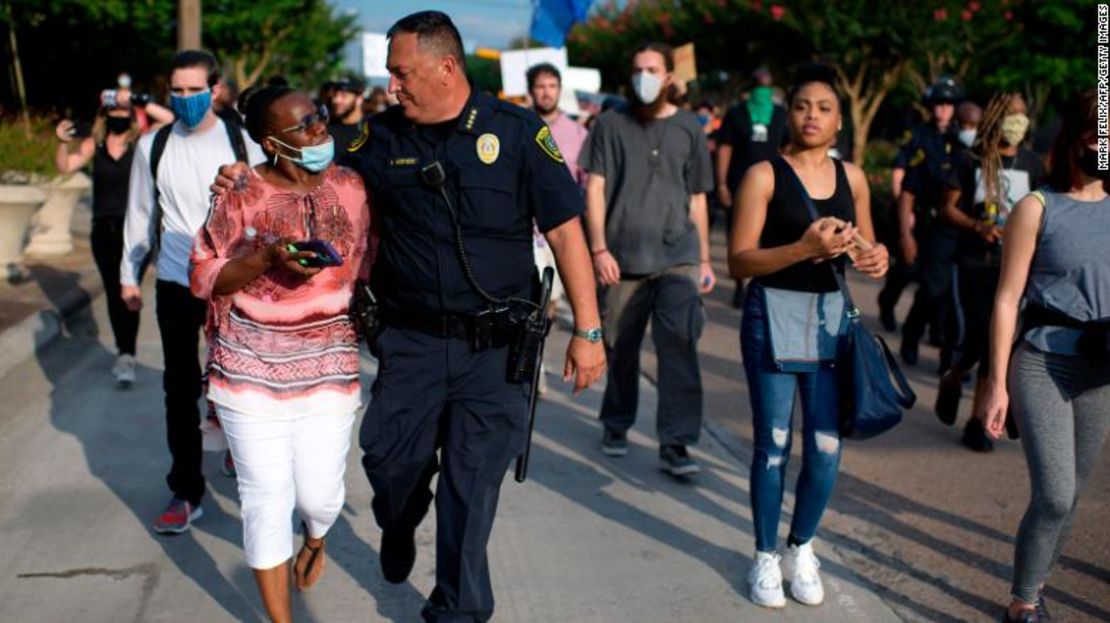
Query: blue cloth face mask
(191, 109)
(314, 158)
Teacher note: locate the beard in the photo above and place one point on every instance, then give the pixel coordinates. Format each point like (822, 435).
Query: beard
(542, 110)
(648, 111)
(341, 113)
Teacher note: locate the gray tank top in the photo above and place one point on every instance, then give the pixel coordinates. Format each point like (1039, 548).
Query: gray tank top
(1070, 272)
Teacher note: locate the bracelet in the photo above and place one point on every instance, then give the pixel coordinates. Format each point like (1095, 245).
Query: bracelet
(598, 252)
(707, 261)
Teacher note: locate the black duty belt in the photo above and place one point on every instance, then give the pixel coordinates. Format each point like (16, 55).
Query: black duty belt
(439, 325)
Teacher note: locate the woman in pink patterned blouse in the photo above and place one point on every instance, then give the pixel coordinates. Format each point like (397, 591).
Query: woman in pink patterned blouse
(283, 359)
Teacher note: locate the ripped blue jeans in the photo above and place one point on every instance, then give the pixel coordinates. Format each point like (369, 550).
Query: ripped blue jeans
(772, 394)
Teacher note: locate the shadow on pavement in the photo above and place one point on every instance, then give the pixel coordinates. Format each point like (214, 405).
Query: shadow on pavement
(131, 476)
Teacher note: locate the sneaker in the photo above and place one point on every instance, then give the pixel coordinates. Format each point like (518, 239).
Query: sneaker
(614, 443)
(177, 517)
(766, 581)
(228, 467)
(1042, 609)
(398, 553)
(676, 461)
(124, 370)
(805, 582)
(948, 396)
(542, 387)
(1026, 616)
(975, 438)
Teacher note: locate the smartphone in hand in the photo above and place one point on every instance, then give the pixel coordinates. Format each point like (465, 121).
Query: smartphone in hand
(326, 255)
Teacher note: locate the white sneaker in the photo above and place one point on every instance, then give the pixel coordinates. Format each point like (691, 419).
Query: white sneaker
(124, 370)
(766, 580)
(805, 582)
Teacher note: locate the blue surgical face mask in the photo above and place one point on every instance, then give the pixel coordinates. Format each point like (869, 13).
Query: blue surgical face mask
(191, 109)
(314, 158)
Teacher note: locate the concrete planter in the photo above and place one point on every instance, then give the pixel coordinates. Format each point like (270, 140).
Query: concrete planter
(17, 205)
(50, 228)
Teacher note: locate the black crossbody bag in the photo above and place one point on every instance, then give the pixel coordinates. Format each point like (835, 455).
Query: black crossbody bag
(873, 390)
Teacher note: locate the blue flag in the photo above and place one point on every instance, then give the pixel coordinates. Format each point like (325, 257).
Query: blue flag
(552, 19)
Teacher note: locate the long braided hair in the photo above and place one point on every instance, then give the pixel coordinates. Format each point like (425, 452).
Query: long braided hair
(989, 141)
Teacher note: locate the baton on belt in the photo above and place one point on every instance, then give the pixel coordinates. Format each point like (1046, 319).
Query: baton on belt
(538, 326)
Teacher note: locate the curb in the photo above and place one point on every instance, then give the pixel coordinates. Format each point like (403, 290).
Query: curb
(35, 332)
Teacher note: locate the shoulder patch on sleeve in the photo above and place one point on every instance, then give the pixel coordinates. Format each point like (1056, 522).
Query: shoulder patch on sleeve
(547, 144)
(361, 140)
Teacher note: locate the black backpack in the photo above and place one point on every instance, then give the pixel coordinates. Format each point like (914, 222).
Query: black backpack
(233, 125)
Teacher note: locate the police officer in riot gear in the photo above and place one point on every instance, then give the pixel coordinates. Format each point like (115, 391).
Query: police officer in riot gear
(917, 181)
(457, 179)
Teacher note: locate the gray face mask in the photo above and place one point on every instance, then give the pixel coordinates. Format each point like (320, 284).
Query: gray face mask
(647, 86)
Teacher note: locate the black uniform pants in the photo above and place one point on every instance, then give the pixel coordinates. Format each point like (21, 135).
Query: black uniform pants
(180, 320)
(433, 393)
(672, 302)
(932, 301)
(107, 249)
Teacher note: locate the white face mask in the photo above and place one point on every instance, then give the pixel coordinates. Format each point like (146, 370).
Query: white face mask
(967, 137)
(647, 86)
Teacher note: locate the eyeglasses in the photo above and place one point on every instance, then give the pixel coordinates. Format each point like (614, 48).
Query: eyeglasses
(320, 115)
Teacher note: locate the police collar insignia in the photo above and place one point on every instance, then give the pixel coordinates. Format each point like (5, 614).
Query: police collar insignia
(547, 144)
(489, 147)
(361, 140)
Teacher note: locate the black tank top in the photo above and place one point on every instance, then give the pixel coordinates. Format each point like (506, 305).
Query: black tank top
(788, 219)
(110, 181)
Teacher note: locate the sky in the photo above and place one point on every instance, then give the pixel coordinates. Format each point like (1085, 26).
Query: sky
(482, 23)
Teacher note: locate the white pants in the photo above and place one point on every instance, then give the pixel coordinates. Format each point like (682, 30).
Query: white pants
(282, 463)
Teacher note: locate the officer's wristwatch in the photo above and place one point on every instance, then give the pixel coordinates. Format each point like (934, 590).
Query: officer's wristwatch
(592, 336)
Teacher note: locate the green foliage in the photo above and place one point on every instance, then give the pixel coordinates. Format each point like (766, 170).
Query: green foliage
(34, 155)
(485, 74)
(883, 48)
(71, 49)
(300, 39)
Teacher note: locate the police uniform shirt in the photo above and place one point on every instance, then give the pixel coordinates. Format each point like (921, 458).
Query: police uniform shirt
(931, 150)
(503, 170)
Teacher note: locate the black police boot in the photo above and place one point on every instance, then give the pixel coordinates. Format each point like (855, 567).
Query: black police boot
(886, 317)
(908, 351)
(975, 438)
(948, 396)
(398, 553)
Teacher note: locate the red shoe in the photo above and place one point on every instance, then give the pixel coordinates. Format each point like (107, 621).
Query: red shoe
(177, 517)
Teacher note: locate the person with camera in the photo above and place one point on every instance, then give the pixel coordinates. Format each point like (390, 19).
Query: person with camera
(277, 261)
(109, 145)
(167, 202)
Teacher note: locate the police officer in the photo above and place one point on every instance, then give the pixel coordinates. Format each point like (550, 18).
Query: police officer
(457, 179)
(454, 248)
(920, 170)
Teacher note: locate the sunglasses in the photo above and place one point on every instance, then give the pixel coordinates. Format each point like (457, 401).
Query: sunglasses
(320, 115)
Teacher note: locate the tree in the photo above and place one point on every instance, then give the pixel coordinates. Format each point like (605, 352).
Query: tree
(301, 39)
(71, 49)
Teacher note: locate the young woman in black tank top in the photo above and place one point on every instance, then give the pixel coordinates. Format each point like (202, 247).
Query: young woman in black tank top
(793, 319)
(110, 149)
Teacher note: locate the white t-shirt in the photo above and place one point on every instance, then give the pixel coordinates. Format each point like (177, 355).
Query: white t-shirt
(188, 167)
